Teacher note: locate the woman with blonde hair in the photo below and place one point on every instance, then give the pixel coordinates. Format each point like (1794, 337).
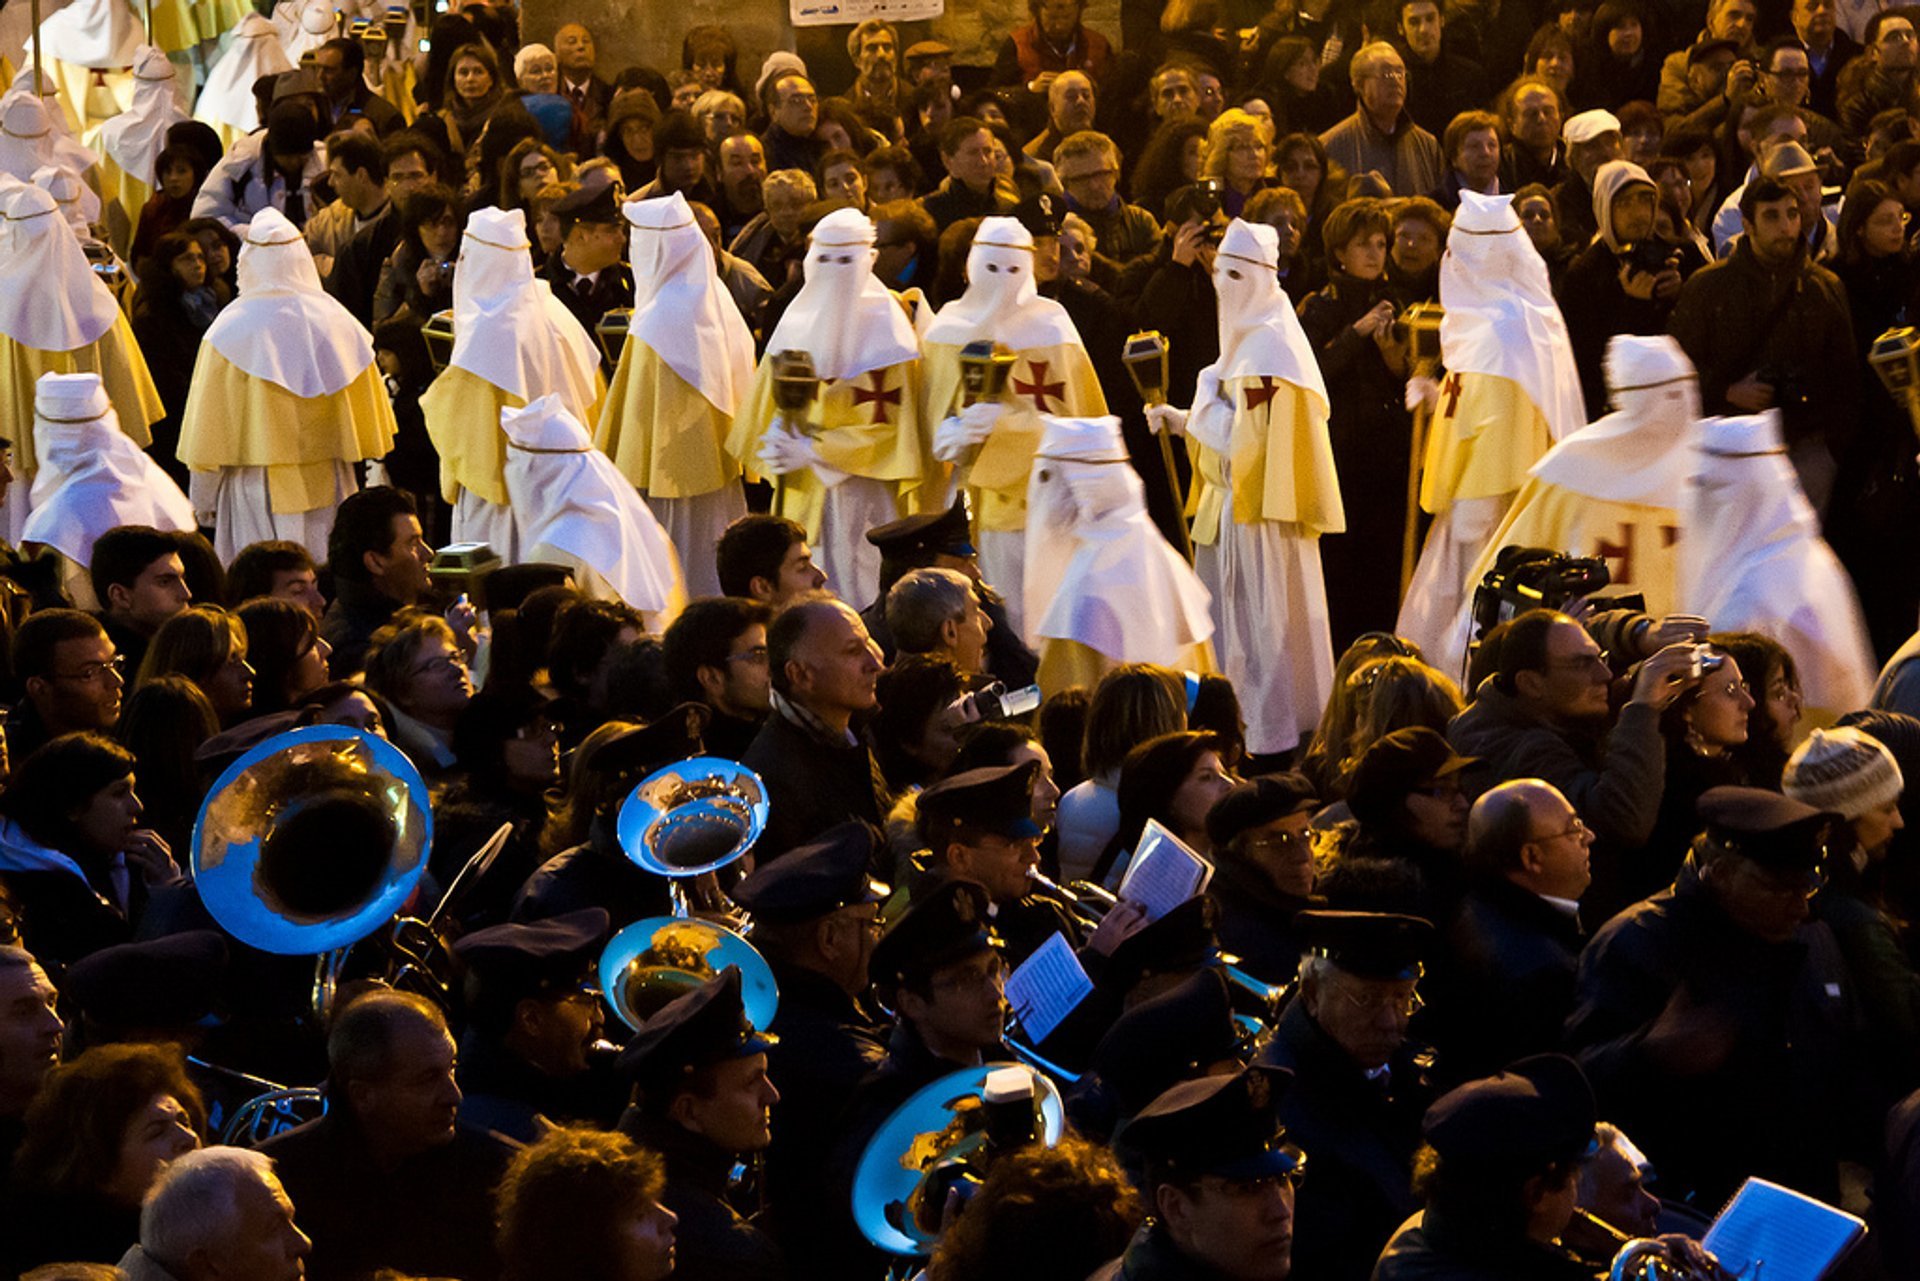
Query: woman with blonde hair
(1327, 749)
(1132, 703)
(1239, 148)
(1393, 693)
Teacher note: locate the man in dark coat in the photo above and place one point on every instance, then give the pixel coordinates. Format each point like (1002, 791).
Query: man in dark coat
(1706, 1005)
(389, 1178)
(1359, 1085)
(1513, 948)
(703, 1100)
(816, 919)
(588, 271)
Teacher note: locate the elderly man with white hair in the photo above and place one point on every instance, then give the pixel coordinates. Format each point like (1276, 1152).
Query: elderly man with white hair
(285, 399)
(217, 1214)
(685, 368)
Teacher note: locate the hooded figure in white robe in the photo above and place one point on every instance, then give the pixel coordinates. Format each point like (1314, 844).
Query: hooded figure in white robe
(861, 453)
(226, 100)
(132, 141)
(56, 317)
(513, 342)
(685, 369)
(285, 399)
(576, 509)
(87, 47)
(1752, 560)
(993, 442)
(1614, 488)
(1263, 466)
(1512, 389)
(1104, 586)
(32, 137)
(302, 25)
(91, 479)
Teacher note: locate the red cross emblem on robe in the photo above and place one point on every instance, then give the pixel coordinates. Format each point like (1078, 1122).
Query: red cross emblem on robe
(1263, 394)
(877, 395)
(1452, 389)
(1040, 390)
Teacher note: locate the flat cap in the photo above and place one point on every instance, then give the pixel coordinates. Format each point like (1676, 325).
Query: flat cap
(1368, 945)
(811, 880)
(1227, 1126)
(1257, 802)
(951, 923)
(595, 201)
(708, 1025)
(536, 958)
(1394, 765)
(1538, 1112)
(1775, 831)
(997, 798)
(945, 533)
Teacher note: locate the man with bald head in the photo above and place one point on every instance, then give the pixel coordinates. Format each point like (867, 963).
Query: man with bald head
(1069, 110)
(1516, 942)
(573, 49)
(813, 750)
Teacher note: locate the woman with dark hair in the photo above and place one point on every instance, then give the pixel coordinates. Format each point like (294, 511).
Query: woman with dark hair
(710, 53)
(473, 88)
(207, 645)
(584, 1205)
(451, 32)
(221, 247)
(285, 650)
(531, 165)
(1301, 163)
(177, 174)
(346, 703)
(631, 120)
(509, 748)
(1170, 161)
(914, 739)
(96, 1137)
(72, 849)
(1174, 778)
(1055, 1212)
(1619, 64)
(1303, 100)
(1704, 727)
(1550, 56)
(163, 723)
(417, 279)
(842, 129)
(1132, 703)
(1773, 725)
(177, 299)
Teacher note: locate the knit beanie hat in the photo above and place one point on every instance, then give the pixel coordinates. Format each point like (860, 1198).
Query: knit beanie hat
(1843, 771)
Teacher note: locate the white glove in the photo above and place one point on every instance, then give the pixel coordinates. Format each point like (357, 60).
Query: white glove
(782, 452)
(965, 431)
(1210, 421)
(1422, 391)
(1167, 418)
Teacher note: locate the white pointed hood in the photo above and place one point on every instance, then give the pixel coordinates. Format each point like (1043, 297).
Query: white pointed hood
(91, 476)
(843, 317)
(135, 138)
(1501, 318)
(508, 328)
(50, 297)
(681, 309)
(284, 327)
(253, 51)
(569, 495)
(1099, 571)
(302, 25)
(97, 34)
(1643, 451)
(1260, 334)
(1002, 302)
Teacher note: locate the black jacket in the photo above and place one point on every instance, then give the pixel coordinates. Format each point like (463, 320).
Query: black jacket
(593, 874)
(1428, 1248)
(713, 1241)
(590, 302)
(1596, 307)
(1359, 1136)
(1507, 985)
(432, 1215)
(812, 785)
(1255, 922)
(1792, 1034)
(355, 613)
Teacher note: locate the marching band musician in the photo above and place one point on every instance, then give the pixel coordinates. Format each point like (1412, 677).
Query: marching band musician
(1051, 375)
(1188, 1031)
(1512, 389)
(285, 399)
(513, 342)
(702, 1100)
(1258, 427)
(686, 366)
(56, 317)
(863, 450)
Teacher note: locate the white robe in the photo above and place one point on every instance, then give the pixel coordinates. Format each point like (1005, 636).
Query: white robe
(695, 525)
(243, 513)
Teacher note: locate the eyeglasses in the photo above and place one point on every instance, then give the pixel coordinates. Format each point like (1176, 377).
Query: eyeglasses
(541, 728)
(1582, 662)
(542, 165)
(994, 977)
(1388, 73)
(441, 663)
(93, 672)
(1279, 843)
(1377, 1003)
(1578, 829)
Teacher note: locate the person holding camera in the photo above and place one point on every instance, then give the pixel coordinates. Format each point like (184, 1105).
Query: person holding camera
(1625, 282)
(1769, 328)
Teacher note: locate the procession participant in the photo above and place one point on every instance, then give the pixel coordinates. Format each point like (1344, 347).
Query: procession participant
(992, 443)
(35, 131)
(686, 366)
(513, 342)
(286, 398)
(87, 46)
(1103, 585)
(1612, 489)
(1258, 427)
(56, 317)
(91, 479)
(574, 508)
(132, 141)
(1512, 389)
(226, 100)
(1753, 560)
(862, 450)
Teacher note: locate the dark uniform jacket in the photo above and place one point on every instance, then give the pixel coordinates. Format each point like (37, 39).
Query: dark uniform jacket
(1359, 1136)
(589, 301)
(812, 784)
(431, 1216)
(1794, 1055)
(1151, 1256)
(713, 1241)
(509, 1096)
(1508, 981)
(594, 874)
(1426, 1248)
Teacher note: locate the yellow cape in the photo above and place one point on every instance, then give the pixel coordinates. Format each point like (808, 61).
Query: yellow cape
(1486, 433)
(662, 434)
(233, 419)
(1638, 542)
(123, 373)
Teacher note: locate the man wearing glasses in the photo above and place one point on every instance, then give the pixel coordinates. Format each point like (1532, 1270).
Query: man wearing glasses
(1359, 1084)
(72, 676)
(1721, 994)
(1380, 135)
(533, 1016)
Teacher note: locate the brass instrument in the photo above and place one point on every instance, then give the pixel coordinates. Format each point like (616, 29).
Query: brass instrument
(273, 1108)
(1145, 356)
(651, 962)
(1634, 1258)
(312, 841)
(1423, 341)
(690, 820)
(940, 1138)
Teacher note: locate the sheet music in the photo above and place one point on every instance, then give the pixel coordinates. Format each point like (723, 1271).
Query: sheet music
(1771, 1233)
(1048, 986)
(1164, 872)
